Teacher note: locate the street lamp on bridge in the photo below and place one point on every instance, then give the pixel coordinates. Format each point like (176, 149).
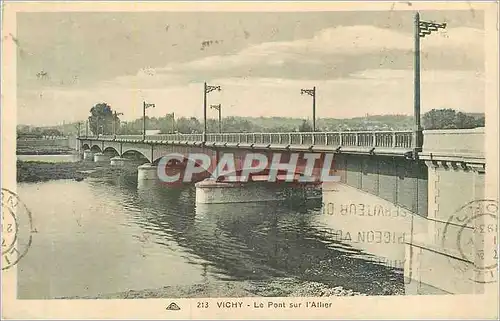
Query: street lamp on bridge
(311, 92)
(206, 89)
(144, 107)
(97, 126)
(101, 127)
(422, 29)
(115, 117)
(78, 126)
(218, 107)
(87, 127)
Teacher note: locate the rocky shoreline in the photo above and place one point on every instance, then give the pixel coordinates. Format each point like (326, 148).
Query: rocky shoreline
(279, 287)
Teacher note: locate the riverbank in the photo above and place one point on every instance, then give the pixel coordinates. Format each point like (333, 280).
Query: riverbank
(37, 171)
(47, 148)
(279, 287)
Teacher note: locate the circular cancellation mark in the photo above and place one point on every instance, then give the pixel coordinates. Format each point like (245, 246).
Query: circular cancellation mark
(475, 226)
(17, 229)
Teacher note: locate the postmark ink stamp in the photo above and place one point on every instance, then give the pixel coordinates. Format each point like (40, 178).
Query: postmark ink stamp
(474, 229)
(17, 229)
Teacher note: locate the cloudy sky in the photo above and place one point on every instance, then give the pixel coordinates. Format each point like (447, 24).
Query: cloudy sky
(360, 62)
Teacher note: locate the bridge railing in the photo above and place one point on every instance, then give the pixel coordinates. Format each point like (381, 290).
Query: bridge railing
(386, 139)
(129, 137)
(380, 139)
(176, 137)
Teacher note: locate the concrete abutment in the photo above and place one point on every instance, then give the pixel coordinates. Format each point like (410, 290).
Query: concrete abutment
(445, 258)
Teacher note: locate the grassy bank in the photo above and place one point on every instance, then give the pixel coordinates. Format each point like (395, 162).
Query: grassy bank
(36, 171)
(33, 148)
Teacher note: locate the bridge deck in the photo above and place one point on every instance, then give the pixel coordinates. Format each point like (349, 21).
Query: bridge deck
(364, 142)
(462, 145)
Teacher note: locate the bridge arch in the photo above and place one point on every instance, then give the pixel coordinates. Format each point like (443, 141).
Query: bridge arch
(111, 151)
(85, 146)
(136, 151)
(241, 165)
(182, 161)
(178, 164)
(95, 148)
(134, 154)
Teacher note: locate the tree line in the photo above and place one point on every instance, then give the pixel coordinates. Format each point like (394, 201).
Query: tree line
(450, 118)
(37, 132)
(102, 118)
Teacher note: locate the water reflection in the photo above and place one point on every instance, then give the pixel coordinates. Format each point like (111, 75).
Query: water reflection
(288, 242)
(244, 241)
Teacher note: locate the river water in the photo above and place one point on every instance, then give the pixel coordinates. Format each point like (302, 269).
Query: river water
(101, 236)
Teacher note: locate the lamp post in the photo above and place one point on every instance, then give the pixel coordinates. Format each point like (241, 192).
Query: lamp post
(206, 89)
(422, 29)
(97, 127)
(78, 126)
(218, 107)
(311, 92)
(115, 116)
(87, 128)
(144, 107)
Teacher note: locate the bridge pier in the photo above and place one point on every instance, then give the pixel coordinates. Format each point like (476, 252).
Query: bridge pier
(118, 161)
(88, 155)
(100, 157)
(209, 191)
(147, 172)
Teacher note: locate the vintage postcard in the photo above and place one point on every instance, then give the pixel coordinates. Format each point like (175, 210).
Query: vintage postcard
(249, 160)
